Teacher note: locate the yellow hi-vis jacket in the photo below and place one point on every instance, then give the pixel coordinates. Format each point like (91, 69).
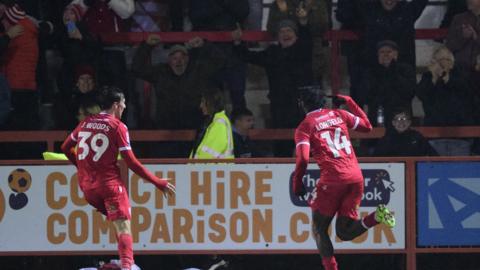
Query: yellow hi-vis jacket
(217, 141)
(54, 156)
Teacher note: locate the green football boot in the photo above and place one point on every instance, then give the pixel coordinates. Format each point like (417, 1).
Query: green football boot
(384, 216)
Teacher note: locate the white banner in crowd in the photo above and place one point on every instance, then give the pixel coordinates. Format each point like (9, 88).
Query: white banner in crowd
(243, 207)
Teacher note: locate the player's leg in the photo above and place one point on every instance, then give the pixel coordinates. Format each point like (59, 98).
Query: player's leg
(324, 207)
(118, 211)
(320, 226)
(348, 226)
(125, 242)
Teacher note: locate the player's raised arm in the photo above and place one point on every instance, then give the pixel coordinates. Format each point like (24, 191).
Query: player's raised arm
(360, 120)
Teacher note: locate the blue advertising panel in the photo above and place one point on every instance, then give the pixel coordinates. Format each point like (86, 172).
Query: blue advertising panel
(448, 203)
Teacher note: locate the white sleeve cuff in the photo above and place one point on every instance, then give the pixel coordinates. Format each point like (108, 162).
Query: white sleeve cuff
(125, 148)
(357, 121)
(300, 143)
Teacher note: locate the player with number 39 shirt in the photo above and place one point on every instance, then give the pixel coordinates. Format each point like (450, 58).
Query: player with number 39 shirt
(324, 133)
(99, 139)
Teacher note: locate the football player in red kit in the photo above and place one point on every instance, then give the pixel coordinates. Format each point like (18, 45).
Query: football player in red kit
(324, 133)
(99, 138)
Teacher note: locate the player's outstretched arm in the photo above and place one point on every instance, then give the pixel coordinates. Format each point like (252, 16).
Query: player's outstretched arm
(140, 170)
(363, 123)
(68, 149)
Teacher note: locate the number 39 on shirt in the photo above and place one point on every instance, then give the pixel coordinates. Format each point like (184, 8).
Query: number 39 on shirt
(98, 144)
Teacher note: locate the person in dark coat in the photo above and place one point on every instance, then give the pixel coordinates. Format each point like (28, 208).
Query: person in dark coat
(73, 106)
(454, 7)
(288, 66)
(78, 47)
(445, 92)
(391, 84)
(178, 83)
(463, 36)
(242, 122)
(390, 20)
(350, 16)
(401, 140)
(224, 15)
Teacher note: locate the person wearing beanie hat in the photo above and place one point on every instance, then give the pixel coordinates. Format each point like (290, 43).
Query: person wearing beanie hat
(387, 52)
(73, 13)
(85, 78)
(287, 30)
(13, 15)
(288, 66)
(287, 23)
(387, 43)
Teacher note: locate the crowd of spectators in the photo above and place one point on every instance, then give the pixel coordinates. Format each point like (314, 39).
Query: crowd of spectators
(381, 67)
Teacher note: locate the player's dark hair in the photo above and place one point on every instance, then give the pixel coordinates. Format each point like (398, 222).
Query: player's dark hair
(312, 97)
(108, 95)
(238, 113)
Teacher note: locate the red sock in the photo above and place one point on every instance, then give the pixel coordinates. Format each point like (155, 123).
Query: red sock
(329, 263)
(369, 221)
(125, 250)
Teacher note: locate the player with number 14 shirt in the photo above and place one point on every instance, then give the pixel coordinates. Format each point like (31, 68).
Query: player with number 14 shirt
(324, 133)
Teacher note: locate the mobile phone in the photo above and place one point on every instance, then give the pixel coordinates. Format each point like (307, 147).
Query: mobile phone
(71, 26)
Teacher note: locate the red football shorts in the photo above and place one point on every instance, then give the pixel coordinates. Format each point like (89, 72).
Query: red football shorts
(338, 198)
(110, 200)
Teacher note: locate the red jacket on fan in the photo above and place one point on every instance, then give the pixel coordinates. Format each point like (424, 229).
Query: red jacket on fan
(100, 18)
(21, 57)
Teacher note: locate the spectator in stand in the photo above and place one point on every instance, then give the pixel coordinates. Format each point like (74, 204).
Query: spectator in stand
(289, 66)
(391, 83)
(464, 36)
(109, 16)
(78, 47)
(224, 15)
(243, 122)
(447, 100)
(318, 14)
(390, 20)
(43, 15)
(5, 38)
(445, 93)
(454, 7)
(80, 102)
(19, 65)
(319, 22)
(350, 16)
(402, 140)
(177, 84)
(215, 139)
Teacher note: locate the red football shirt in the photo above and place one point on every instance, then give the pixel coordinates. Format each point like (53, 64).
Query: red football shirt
(326, 131)
(99, 139)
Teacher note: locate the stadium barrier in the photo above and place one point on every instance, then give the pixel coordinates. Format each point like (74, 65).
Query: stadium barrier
(242, 207)
(52, 137)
